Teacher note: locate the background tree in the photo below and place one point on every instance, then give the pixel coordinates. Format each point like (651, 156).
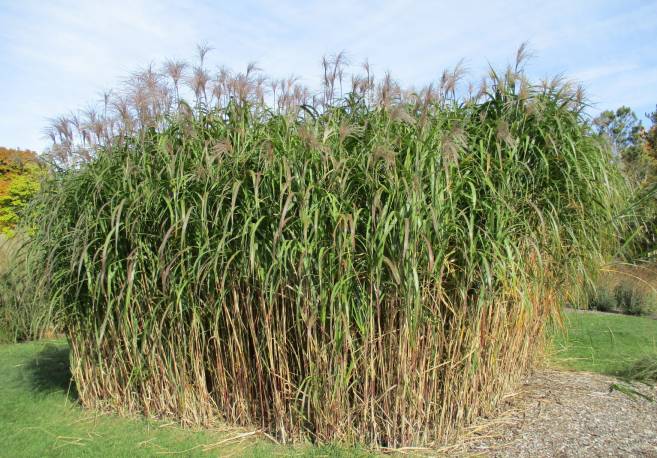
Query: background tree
(620, 127)
(635, 147)
(626, 135)
(20, 174)
(651, 135)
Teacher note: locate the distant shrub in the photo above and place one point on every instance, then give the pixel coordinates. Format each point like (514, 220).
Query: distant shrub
(24, 313)
(630, 289)
(629, 300)
(602, 300)
(5, 336)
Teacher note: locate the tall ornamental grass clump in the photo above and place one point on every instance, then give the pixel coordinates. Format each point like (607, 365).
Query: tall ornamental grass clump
(373, 268)
(25, 311)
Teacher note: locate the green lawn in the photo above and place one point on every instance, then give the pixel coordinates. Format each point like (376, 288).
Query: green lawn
(604, 342)
(39, 417)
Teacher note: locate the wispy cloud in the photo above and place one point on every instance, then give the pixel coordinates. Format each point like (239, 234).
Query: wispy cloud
(59, 55)
(603, 71)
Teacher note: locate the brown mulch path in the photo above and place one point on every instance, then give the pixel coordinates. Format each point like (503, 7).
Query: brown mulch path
(571, 414)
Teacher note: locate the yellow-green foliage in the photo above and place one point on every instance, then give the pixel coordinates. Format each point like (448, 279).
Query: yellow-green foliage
(19, 181)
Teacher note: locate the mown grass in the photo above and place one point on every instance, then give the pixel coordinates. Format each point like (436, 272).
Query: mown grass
(606, 343)
(40, 416)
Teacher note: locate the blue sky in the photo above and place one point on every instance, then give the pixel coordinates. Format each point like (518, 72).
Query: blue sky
(58, 56)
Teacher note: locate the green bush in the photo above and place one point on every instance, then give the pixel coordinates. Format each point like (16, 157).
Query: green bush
(602, 300)
(24, 312)
(631, 300)
(625, 288)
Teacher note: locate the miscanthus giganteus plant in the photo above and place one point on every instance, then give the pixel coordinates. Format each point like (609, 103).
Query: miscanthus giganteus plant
(370, 264)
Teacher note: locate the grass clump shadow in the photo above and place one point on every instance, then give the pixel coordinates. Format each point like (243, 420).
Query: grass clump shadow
(49, 371)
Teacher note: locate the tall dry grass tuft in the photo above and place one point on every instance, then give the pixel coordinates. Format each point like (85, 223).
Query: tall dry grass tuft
(377, 267)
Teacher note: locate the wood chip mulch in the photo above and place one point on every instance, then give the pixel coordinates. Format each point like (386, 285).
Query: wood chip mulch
(571, 414)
